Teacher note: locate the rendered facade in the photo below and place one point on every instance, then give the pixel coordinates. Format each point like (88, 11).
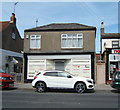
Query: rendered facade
(60, 46)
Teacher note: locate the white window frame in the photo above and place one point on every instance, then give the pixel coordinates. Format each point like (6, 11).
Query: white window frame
(67, 45)
(35, 38)
(115, 44)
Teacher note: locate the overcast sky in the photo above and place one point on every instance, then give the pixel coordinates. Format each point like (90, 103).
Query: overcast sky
(87, 13)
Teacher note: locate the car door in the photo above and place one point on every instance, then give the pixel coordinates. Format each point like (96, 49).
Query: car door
(51, 79)
(65, 80)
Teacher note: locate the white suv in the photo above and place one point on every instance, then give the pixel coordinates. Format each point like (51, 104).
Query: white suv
(61, 79)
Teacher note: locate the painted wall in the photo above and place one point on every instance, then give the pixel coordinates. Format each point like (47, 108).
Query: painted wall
(78, 65)
(100, 69)
(107, 43)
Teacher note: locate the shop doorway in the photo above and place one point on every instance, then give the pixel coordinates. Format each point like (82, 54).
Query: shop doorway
(100, 73)
(59, 65)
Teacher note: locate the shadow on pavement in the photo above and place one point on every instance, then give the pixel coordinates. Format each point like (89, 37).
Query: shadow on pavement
(116, 91)
(66, 91)
(8, 89)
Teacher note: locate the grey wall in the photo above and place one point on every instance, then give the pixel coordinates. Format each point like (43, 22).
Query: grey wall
(51, 41)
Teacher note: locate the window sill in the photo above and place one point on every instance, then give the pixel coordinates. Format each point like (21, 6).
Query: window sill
(35, 49)
(71, 48)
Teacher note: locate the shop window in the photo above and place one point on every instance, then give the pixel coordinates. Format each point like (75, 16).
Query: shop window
(113, 67)
(17, 69)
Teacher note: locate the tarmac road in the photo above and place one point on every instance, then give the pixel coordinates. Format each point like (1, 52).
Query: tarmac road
(18, 98)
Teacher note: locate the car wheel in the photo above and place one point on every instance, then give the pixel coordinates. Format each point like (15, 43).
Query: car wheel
(80, 87)
(40, 87)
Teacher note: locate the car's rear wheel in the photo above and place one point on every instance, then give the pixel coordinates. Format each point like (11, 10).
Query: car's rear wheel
(80, 87)
(40, 87)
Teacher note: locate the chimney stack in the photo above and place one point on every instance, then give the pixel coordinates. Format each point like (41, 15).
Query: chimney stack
(102, 28)
(13, 19)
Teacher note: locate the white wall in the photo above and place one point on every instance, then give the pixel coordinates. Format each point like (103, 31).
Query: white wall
(79, 65)
(108, 43)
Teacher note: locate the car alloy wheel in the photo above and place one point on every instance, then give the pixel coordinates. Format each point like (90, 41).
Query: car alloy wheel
(80, 87)
(40, 87)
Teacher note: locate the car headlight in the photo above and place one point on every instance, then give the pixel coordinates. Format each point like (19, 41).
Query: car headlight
(2, 78)
(90, 81)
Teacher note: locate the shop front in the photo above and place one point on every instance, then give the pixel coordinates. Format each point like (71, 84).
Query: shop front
(113, 63)
(77, 64)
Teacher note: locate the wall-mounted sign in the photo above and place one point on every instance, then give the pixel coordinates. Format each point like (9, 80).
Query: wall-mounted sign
(116, 51)
(114, 57)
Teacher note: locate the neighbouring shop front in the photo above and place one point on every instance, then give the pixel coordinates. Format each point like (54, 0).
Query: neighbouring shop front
(12, 62)
(79, 64)
(113, 62)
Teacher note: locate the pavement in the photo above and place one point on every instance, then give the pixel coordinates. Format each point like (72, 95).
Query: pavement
(29, 86)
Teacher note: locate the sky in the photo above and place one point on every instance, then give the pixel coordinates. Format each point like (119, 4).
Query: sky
(87, 13)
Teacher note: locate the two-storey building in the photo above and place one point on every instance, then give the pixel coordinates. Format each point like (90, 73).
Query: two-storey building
(61, 46)
(11, 45)
(110, 50)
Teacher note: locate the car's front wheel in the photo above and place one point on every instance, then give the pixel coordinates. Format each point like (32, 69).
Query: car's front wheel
(40, 87)
(80, 87)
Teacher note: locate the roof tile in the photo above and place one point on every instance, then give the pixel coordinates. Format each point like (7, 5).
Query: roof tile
(61, 26)
(110, 35)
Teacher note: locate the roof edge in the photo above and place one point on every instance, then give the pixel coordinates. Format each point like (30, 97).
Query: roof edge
(58, 30)
(48, 27)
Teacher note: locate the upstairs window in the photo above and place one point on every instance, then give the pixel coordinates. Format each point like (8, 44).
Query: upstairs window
(115, 44)
(72, 41)
(13, 35)
(35, 41)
